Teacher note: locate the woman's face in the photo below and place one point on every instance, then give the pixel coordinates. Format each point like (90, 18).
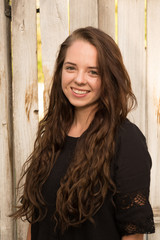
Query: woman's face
(81, 82)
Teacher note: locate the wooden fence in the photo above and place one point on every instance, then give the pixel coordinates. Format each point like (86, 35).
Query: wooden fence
(19, 85)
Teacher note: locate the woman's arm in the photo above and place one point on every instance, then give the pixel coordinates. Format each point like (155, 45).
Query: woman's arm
(132, 237)
(29, 232)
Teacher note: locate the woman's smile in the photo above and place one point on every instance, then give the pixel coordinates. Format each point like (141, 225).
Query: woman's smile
(79, 92)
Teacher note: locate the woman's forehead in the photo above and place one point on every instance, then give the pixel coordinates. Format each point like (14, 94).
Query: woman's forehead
(82, 52)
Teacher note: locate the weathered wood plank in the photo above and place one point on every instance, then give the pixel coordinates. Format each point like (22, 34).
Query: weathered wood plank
(131, 39)
(106, 17)
(54, 29)
(25, 86)
(83, 13)
(156, 235)
(153, 101)
(6, 224)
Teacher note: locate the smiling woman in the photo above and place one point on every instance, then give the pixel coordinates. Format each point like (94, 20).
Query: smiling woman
(89, 174)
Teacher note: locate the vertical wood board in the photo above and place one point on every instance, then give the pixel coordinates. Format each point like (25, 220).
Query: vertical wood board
(106, 17)
(83, 13)
(153, 96)
(131, 40)
(54, 30)
(156, 235)
(6, 224)
(25, 87)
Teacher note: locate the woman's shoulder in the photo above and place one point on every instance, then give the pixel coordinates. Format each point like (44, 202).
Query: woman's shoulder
(129, 130)
(131, 149)
(132, 159)
(129, 136)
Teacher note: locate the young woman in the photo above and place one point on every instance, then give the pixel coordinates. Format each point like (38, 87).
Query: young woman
(89, 174)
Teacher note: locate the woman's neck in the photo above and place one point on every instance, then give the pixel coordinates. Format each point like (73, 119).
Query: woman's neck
(82, 120)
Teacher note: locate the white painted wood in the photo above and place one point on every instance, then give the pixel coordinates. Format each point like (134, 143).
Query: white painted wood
(40, 100)
(156, 235)
(83, 13)
(54, 30)
(131, 39)
(25, 87)
(106, 17)
(6, 224)
(153, 102)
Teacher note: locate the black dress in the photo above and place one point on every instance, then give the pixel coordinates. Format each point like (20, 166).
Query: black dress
(131, 212)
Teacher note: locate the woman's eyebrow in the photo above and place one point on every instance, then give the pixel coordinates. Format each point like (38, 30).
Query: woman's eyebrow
(90, 67)
(93, 67)
(70, 63)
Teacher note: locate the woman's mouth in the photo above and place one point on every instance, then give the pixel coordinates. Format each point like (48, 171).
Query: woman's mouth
(79, 91)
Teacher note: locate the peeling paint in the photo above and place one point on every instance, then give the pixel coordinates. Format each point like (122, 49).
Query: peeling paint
(31, 96)
(158, 112)
(47, 86)
(22, 26)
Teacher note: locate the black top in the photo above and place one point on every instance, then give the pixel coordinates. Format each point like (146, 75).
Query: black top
(131, 212)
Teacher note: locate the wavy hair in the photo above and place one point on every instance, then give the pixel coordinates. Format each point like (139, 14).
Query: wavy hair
(84, 187)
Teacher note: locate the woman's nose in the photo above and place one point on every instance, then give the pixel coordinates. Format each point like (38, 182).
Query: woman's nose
(80, 78)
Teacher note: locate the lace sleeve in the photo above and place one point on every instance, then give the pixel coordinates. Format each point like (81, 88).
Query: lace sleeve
(134, 213)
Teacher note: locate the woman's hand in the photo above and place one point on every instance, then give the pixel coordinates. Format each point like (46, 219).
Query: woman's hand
(133, 237)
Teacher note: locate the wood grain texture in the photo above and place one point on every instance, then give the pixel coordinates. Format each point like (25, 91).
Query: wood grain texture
(131, 39)
(25, 87)
(106, 16)
(156, 235)
(54, 30)
(6, 224)
(153, 97)
(83, 13)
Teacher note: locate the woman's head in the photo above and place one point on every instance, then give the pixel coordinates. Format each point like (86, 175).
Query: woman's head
(81, 81)
(115, 93)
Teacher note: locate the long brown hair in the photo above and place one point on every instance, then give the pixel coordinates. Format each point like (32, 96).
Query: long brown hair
(84, 187)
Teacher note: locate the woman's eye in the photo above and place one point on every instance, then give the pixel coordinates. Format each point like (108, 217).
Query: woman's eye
(70, 68)
(94, 73)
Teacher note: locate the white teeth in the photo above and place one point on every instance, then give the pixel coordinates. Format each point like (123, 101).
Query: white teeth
(78, 91)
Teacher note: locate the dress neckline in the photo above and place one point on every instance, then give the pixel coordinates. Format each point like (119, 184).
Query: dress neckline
(72, 138)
